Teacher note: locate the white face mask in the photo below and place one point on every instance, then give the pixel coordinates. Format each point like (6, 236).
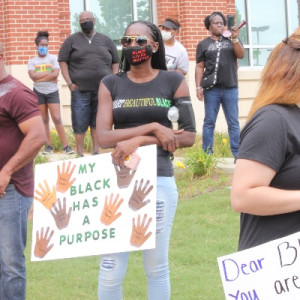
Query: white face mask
(166, 35)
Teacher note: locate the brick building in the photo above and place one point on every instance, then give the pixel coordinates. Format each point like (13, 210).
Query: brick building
(21, 19)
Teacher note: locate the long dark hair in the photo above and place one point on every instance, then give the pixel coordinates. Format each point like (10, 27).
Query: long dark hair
(41, 35)
(158, 60)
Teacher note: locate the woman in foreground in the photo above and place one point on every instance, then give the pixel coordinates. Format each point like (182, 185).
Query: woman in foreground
(266, 181)
(142, 77)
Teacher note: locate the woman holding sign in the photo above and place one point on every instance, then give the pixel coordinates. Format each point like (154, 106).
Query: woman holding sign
(266, 181)
(136, 103)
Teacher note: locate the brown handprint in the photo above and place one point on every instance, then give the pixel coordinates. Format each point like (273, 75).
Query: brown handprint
(41, 244)
(138, 237)
(109, 210)
(124, 176)
(60, 214)
(138, 195)
(63, 178)
(47, 198)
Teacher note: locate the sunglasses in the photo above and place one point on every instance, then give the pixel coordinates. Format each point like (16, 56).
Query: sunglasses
(140, 40)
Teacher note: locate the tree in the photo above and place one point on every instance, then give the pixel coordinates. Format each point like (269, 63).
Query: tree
(115, 16)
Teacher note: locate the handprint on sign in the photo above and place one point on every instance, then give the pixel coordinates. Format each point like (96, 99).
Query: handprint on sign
(41, 244)
(124, 176)
(138, 237)
(60, 215)
(138, 195)
(63, 178)
(109, 210)
(46, 197)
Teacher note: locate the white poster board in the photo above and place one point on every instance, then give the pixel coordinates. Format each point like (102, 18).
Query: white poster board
(88, 206)
(267, 272)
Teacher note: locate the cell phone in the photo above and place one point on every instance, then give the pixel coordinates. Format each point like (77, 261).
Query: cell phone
(132, 160)
(230, 21)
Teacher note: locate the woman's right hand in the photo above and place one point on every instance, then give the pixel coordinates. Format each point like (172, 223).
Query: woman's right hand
(167, 137)
(200, 95)
(73, 87)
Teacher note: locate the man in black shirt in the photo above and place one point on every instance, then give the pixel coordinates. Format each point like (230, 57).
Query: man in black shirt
(85, 58)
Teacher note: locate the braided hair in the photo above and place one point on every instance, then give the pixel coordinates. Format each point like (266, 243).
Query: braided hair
(41, 35)
(158, 60)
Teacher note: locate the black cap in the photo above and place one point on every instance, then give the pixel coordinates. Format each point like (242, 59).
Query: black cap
(170, 25)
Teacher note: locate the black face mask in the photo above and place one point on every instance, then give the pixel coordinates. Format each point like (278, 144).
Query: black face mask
(137, 55)
(87, 27)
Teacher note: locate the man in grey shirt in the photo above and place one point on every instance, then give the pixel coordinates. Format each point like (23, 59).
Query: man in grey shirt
(176, 55)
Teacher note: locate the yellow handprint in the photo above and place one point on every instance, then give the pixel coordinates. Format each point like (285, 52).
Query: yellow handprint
(47, 198)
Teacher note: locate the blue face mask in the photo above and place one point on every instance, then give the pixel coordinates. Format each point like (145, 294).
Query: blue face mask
(42, 50)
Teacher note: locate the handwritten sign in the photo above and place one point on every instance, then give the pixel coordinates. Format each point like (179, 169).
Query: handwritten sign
(267, 272)
(89, 206)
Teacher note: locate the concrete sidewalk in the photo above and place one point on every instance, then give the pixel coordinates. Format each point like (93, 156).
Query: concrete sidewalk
(224, 164)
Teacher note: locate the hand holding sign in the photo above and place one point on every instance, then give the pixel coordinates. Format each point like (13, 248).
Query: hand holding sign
(63, 178)
(138, 237)
(136, 200)
(60, 214)
(41, 244)
(47, 198)
(109, 210)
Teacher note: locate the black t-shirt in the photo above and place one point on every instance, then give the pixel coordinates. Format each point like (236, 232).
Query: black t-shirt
(88, 62)
(272, 137)
(227, 69)
(135, 104)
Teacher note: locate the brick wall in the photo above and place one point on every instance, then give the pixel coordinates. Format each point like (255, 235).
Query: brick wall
(1, 20)
(191, 14)
(21, 20)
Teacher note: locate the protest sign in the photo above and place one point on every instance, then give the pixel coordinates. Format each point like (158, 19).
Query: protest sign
(88, 206)
(267, 272)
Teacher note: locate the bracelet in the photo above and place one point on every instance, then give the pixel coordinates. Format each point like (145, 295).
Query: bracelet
(198, 87)
(234, 41)
(69, 84)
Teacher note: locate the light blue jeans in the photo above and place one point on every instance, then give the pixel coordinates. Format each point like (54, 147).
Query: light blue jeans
(228, 98)
(14, 210)
(113, 266)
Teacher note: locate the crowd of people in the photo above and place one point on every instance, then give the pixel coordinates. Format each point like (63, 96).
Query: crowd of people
(265, 187)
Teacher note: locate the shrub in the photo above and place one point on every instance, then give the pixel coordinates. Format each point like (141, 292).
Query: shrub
(222, 145)
(198, 162)
(55, 141)
(40, 159)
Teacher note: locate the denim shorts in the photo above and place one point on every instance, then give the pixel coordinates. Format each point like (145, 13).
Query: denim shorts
(84, 110)
(47, 98)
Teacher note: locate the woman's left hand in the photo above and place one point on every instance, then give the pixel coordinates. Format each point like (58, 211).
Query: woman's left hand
(123, 149)
(235, 32)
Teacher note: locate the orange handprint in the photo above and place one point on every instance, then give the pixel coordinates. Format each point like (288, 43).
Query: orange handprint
(47, 198)
(41, 244)
(109, 210)
(138, 237)
(63, 178)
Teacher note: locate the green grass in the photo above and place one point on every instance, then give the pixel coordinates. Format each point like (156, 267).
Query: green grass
(205, 228)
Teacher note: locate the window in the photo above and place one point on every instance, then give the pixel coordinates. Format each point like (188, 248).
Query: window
(113, 16)
(268, 23)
